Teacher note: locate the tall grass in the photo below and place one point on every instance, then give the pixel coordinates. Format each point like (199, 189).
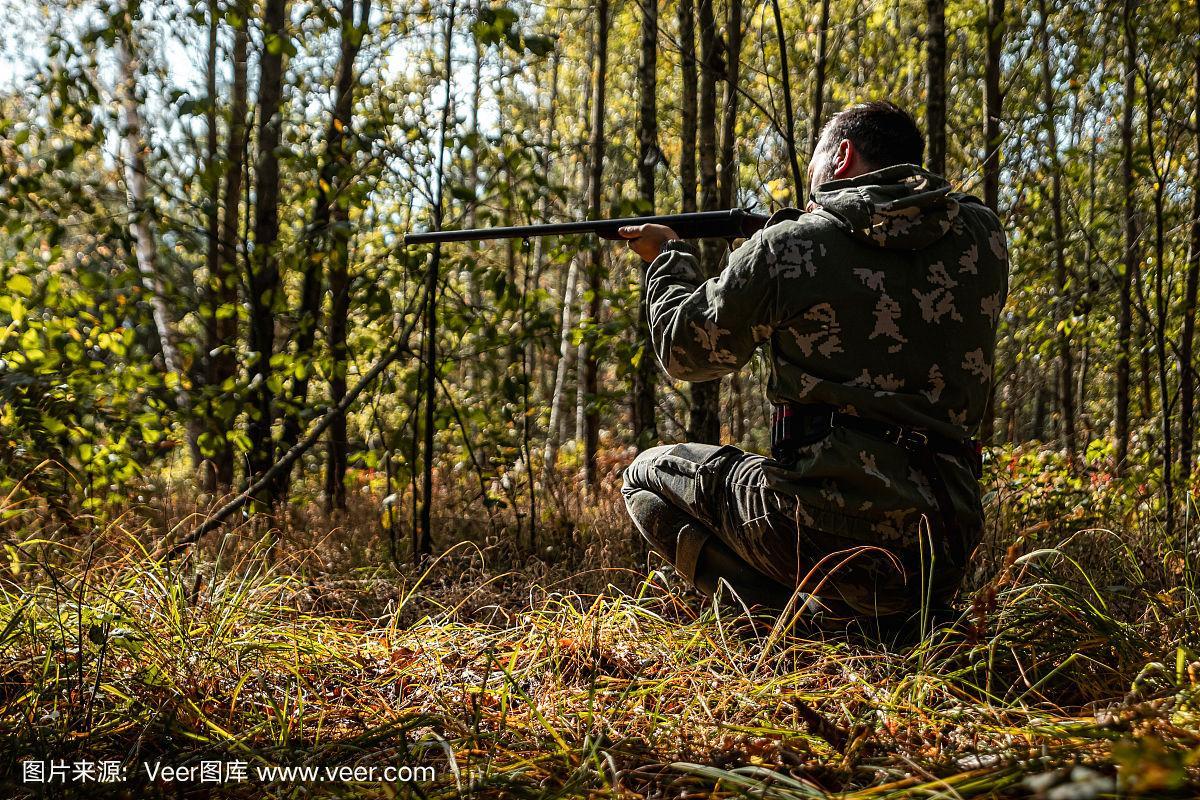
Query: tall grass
(1072, 673)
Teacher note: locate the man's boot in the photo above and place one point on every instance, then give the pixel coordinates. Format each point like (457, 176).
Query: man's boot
(699, 557)
(713, 562)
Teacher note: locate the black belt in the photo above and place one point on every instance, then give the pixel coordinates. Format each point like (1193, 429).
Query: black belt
(794, 426)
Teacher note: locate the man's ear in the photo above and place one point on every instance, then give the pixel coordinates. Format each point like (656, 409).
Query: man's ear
(845, 159)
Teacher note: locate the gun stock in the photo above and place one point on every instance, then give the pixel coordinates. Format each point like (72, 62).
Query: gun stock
(728, 224)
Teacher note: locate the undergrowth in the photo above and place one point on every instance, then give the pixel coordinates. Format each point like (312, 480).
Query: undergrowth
(1072, 671)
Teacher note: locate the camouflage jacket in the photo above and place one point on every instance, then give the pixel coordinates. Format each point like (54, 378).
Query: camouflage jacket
(883, 301)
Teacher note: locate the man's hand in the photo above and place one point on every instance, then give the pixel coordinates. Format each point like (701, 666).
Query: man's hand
(647, 240)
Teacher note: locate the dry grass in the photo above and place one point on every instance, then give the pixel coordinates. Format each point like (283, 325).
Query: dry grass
(570, 676)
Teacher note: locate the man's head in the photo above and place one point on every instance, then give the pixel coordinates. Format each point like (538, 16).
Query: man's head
(863, 138)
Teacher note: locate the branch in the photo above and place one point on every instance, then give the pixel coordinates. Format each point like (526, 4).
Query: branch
(170, 550)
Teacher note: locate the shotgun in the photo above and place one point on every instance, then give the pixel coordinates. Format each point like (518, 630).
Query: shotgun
(729, 224)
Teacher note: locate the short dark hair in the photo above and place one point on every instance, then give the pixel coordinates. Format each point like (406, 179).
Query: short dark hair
(883, 133)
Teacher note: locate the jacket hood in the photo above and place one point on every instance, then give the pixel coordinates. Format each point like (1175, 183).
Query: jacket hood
(903, 207)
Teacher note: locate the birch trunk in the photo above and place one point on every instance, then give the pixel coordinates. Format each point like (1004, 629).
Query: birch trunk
(558, 402)
(145, 246)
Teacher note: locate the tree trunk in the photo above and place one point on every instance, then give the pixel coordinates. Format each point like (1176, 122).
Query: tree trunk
(687, 106)
(590, 387)
(1038, 431)
(1130, 232)
(339, 289)
(558, 402)
(1145, 349)
(1066, 366)
(568, 419)
(225, 328)
(575, 420)
(212, 258)
(728, 183)
(737, 397)
(688, 128)
(339, 313)
(993, 101)
(1161, 309)
(170, 548)
(472, 288)
(935, 84)
(704, 423)
(264, 269)
(424, 542)
(789, 113)
(1090, 287)
(1187, 376)
(328, 229)
(644, 428)
(543, 210)
(818, 98)
(145, 247)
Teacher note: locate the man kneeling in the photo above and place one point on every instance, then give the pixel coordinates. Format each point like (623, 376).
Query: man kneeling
(879, 304)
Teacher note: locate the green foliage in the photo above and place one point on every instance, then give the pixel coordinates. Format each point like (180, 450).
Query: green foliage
(83, 352)
(497, 24)
(76, 386)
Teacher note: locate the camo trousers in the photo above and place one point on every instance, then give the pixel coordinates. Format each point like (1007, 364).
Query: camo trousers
(681, 495)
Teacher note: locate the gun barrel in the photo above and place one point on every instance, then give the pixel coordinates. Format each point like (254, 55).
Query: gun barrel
(727, 224)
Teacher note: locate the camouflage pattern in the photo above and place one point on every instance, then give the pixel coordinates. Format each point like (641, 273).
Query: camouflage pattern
(881, 300)
(682, 496)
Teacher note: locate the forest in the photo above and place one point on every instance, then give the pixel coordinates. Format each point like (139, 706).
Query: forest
(278, 489)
